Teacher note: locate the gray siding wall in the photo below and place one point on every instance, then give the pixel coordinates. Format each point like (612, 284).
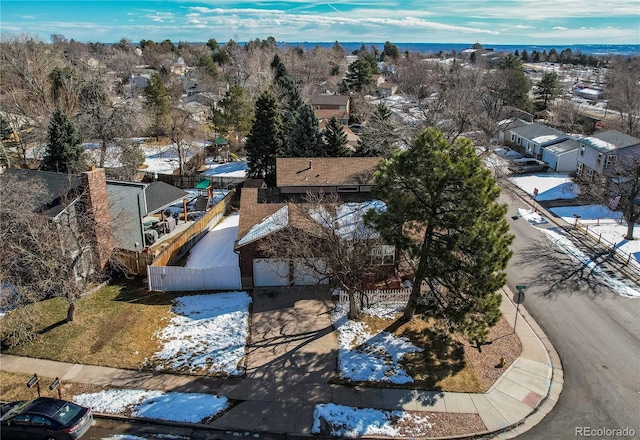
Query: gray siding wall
(126, 205)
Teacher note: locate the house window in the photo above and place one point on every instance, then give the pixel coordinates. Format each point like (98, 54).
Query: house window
(610, 161)
(383, 255)
(513, 137)
(579, 169)
(599, 157)
(582, 148)
(590, 174)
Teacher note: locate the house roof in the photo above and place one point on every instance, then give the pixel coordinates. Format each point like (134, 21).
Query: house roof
(510, 124)
(348, 218)
(328, 113)
(540, 134)
(55, 186)
(329, 100)
(563, 147)
(252, 212)
(610, 140)
(323, 171)
(161, 194)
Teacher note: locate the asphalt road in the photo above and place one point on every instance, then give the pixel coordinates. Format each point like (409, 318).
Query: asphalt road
(595, 331)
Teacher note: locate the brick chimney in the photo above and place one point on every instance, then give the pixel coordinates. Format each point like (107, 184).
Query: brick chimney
(97, 200)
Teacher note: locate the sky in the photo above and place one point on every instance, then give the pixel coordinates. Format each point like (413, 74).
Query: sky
(401, 21)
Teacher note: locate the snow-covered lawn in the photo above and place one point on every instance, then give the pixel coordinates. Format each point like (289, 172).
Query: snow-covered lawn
(568, 247)
(346, 421)
(215, 249)
(549, 186)
(364, 356)
(177, 407)
(229, 169)
(209, 334)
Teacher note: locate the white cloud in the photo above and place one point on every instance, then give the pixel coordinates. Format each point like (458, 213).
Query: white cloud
(559, 28)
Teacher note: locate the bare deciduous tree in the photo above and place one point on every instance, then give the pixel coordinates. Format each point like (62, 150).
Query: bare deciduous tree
(623, 93)
(329, 238)
(48, 251)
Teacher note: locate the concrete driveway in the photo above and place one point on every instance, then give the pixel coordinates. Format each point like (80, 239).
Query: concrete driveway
(292, 338)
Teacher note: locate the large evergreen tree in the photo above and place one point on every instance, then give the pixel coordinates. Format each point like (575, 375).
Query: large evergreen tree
(156, 99)
(359, 78)
(264, 142)
(514, 86)
(306, 139)
(335, 138)
(231, 116)
(547, 89)
(64, 153)
(442, 211)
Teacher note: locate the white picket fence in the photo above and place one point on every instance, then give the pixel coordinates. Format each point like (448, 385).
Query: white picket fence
(176, 278)
(371, 297)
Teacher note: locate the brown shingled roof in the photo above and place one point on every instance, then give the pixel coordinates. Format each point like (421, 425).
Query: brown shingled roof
(329, 100)
(252, 212)
(325, 170)
(327, 114)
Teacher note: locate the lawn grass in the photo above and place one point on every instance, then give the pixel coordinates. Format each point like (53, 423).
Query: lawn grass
(13, 387)
(113, 327)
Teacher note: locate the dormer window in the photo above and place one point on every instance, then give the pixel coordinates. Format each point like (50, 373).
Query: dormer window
(582, 148)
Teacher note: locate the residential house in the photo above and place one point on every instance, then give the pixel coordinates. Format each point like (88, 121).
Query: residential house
(531, 139)
(138, 212)
(563, 156)
(327, 106)
(62, 199)
(387, 89)
(137, 83)
(602, 151)
(506, 126)
(265, 211)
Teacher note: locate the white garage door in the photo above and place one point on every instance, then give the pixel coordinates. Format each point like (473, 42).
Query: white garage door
(270, 272)
(304, 275)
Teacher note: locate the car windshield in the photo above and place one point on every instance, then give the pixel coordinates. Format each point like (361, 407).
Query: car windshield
(66, 413)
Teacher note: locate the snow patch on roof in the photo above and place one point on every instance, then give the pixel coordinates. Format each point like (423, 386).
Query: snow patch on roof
(599, 144)
(545, 138)
(349, 219)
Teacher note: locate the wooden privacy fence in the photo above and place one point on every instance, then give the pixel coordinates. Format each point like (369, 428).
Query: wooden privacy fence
(176, 278)
(372, 297)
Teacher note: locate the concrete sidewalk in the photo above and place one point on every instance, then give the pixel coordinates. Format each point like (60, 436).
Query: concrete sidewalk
(520, 398)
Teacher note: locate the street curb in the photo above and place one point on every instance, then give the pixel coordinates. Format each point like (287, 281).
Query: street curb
(556, 383)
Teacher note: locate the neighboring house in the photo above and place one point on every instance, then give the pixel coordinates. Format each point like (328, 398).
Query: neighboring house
(602, 151)
(62, 198)
(562, 157)
(265, 211)
(132, 205)
(325, 174)
(327, 106)
(531, 139)
(137, 83)
(506, 126)
(387, 89)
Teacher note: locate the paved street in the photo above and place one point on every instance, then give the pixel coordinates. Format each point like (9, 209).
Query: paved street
(595, 331)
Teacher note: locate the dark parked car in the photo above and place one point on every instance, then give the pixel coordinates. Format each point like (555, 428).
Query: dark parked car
(44, 418)
(526, 165)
